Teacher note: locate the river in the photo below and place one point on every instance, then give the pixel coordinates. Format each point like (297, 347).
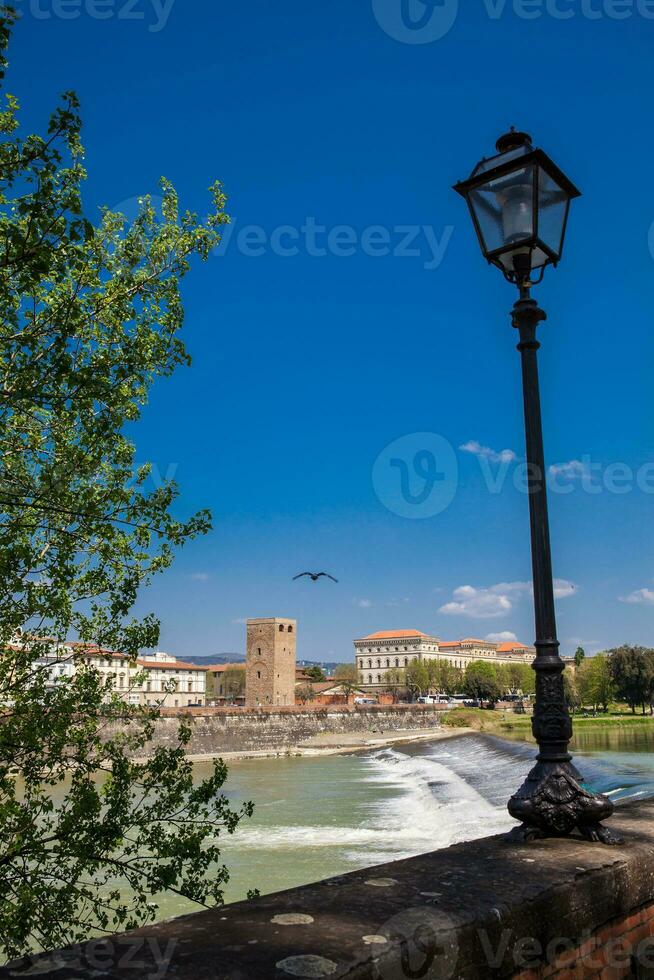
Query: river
(321, 816)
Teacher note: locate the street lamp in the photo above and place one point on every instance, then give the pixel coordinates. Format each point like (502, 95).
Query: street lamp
(519, 202)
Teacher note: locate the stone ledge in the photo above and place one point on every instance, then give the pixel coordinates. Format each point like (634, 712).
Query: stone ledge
(487, 908)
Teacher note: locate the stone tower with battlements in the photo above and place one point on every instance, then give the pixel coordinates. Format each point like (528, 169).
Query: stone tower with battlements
(270, 662)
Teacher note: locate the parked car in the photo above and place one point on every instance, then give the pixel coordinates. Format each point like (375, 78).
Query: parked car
(366, 701)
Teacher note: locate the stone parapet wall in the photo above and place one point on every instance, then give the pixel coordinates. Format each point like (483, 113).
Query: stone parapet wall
(477, 911)
(244, 730)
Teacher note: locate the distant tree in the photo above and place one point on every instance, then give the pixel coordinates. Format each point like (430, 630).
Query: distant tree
(234, 683)
(434, 674)
(519, 678)
(417, 678)
(305, 694)
(452, 679)
(580, 653)
(571, 691)
(348, 677)
(595, 683)
(481, 681)
(315, 672)
(632, 670)
(393, 682)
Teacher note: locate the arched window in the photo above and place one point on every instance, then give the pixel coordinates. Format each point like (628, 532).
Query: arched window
(406, 661)
(397, 661)
(379, 663)
(290, 629)
(281, 627)
(370, 678)
(388, 663)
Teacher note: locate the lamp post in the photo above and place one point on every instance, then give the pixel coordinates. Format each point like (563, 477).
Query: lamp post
(519, 202)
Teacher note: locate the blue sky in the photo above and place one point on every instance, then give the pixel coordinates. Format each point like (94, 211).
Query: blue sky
(315, 347)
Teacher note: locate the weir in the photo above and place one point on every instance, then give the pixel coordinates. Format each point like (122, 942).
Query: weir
(488, 908)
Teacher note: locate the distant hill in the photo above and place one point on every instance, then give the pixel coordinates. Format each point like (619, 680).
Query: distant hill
(218, 658)
(239, 658)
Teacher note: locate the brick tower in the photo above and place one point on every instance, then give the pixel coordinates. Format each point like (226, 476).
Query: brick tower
(270, 662)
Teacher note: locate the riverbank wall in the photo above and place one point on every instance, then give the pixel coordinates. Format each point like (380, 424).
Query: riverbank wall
(243, 731)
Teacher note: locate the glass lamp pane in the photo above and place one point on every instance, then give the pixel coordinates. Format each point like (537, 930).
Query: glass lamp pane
(538, 259)
(553, 203)
(504, 209)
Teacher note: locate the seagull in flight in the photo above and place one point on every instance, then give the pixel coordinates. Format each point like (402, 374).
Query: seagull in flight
(314, 576)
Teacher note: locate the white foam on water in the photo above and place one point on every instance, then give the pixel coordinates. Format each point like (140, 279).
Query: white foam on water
(435, 807)
(422, 805)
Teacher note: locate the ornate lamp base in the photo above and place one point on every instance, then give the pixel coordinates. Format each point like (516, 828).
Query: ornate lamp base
(552, 803)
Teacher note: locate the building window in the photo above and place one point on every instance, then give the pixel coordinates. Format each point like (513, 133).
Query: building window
(259, 674)
(370, 678)
(406, 661)
(290, 629)
(281, 628)
(388, 663)
(397, 661)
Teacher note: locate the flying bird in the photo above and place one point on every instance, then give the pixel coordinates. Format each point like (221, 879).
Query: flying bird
(314, 576)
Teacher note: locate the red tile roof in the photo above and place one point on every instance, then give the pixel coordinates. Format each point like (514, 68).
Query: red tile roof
(168, 665)
(394, 635)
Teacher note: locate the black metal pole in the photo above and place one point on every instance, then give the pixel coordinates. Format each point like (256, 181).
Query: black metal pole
(552, 801)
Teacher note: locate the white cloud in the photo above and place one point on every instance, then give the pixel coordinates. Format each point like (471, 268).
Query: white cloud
(563, 589)
(363, 603)
(240, 622)
(200, 577)
(506, 636)
(640, 596)
(395, 603)
(574, 469)
(476, 603)
(476, 448)
(491, 601)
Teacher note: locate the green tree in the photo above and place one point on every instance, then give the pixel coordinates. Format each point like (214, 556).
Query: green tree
(417, 677)
(234, 683)
(348, 677)
(315, 672)
(595, 681)
(519, 678)
(451, 678)
(580, 654)
(632, 671)
(90, 318)
(481, 681)
(393, 682)
(305, 694)
(434, 671)
(571, 691)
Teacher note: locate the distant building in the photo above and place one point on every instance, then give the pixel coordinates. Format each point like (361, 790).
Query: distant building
(270, 661)
(155, 679)
(395, 649)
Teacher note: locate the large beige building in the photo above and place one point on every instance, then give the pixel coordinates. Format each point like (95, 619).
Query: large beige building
(270, 662)
(379, 652)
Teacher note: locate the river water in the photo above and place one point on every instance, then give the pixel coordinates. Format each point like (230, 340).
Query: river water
(321, 816)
